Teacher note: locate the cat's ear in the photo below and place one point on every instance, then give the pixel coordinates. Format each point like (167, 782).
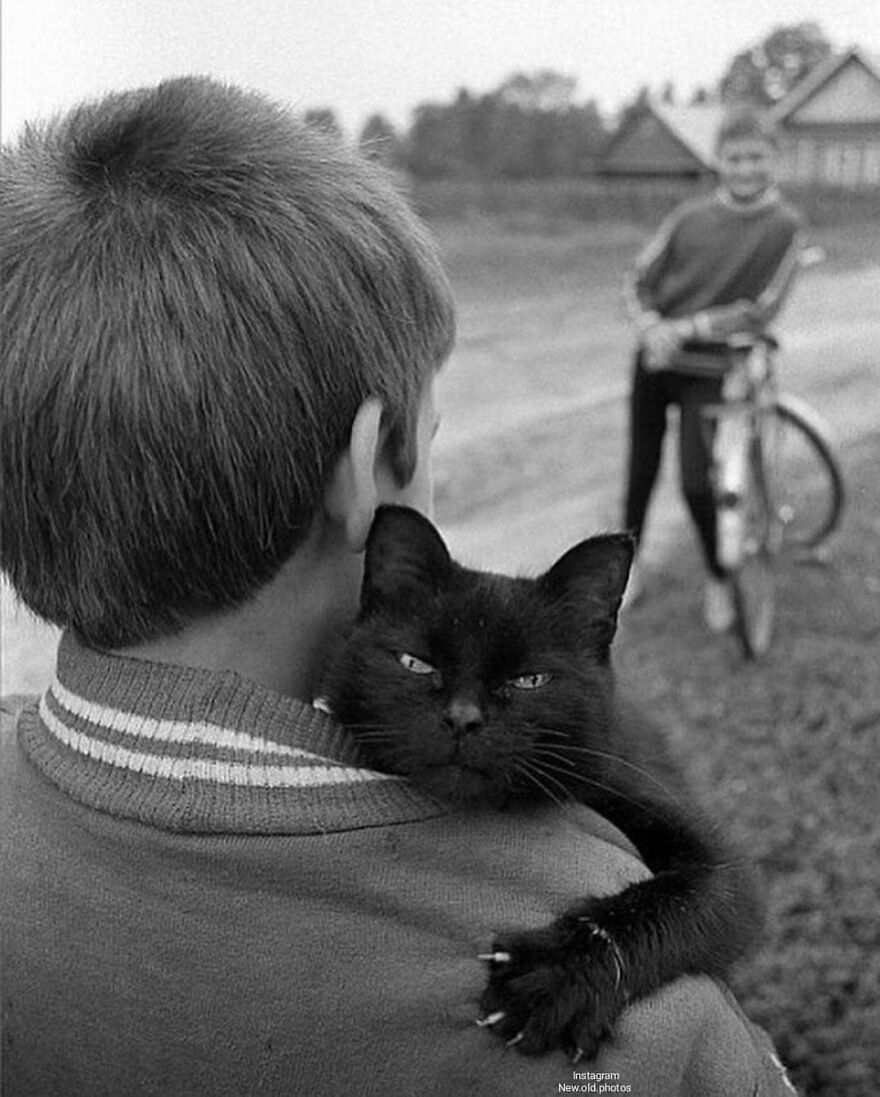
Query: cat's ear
(405, 554)
(591, 578)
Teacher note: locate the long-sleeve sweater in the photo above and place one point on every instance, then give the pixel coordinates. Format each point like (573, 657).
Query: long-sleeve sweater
(204, 893)
(724, 265)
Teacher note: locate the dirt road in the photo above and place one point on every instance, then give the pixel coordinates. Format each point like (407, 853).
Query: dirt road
(542, 467)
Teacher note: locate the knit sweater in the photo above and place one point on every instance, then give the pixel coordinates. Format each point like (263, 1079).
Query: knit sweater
(725, 265)
(204, 893)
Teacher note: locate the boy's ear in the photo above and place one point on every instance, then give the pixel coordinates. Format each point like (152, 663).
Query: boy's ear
(405, 556)
(352, 495)
(590, 579)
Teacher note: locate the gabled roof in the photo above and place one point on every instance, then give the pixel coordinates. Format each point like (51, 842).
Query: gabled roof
(695, 127)
(690, 129)
(814, 81)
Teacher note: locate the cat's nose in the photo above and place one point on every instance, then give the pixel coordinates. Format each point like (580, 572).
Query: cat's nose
(463, 716)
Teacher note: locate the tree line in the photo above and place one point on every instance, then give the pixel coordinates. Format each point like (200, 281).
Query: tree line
(532, 127)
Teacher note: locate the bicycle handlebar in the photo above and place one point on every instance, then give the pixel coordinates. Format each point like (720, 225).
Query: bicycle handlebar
(738, 341)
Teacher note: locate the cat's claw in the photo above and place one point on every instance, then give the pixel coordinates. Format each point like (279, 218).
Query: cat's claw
(495, 957)
(578, 1055)
(491, 1019)
(514, 1040)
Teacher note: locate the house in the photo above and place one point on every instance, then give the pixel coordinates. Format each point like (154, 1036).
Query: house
(661, 139)
(829, 123)
(828, 127)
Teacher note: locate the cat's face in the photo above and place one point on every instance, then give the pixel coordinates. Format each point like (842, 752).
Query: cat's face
(478, 686)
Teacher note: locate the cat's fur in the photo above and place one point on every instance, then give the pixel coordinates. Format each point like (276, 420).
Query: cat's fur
(490, 690)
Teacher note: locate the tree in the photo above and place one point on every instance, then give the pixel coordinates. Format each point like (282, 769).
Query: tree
(537, 129)
(379, 141)
(763, 74)
(323, 118)
(529, 127)
(544, 91)
(434, 142)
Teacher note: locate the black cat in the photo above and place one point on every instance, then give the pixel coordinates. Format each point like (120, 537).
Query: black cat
(485, 689)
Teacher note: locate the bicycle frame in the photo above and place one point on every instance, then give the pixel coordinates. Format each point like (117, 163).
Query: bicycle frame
(739, 446)
(757, 516)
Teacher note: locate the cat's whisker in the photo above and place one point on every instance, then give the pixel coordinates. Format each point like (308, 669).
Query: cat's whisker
(586, 779)
(554, 731)
(366, 733)
(598, 753)
(528, 773)
(548, 753)
(371, 726)
(529, 768)
(618, 760)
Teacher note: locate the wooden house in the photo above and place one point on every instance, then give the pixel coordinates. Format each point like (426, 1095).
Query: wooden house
(828, 127)
(829, 123)
(663, 140)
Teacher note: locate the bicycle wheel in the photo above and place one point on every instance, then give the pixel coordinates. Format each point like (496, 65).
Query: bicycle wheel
(753, 579)
(804, 479)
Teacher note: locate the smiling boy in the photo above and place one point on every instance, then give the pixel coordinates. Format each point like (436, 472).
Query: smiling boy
(719, 264)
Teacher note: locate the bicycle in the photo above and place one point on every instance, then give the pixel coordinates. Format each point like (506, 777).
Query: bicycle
(777, 483)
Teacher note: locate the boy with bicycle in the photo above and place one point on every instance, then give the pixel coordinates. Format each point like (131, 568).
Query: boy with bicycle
(719, 264)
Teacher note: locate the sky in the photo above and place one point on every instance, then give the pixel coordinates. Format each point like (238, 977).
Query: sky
(358, 57)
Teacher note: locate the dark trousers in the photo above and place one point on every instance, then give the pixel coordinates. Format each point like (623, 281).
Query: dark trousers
(652, 393)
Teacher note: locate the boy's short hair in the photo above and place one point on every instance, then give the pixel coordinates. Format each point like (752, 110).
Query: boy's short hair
(744, 124)
(199, 291)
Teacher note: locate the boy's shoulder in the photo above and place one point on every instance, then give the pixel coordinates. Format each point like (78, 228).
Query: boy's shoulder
(699, 213)
(787, 210)
(696, 205)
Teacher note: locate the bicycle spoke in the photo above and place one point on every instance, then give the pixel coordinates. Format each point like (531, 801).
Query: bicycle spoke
(805, 482)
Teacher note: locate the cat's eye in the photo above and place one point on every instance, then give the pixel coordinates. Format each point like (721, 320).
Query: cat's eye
(530, 681)
(414, 664)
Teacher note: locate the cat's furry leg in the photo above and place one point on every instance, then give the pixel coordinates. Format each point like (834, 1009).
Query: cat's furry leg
(549, 991)
(566, 985)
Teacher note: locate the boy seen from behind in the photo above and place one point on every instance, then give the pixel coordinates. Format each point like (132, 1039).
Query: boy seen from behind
(220, 332)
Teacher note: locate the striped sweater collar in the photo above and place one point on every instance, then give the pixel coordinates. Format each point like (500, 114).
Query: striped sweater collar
(194, 750)
(769, 197)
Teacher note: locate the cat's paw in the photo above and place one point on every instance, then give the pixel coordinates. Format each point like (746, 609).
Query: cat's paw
(549, 990)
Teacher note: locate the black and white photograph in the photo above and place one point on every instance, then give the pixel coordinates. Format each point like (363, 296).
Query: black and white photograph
(439, 548)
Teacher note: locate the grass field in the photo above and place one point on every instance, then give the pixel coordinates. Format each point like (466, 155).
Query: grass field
(529, 460)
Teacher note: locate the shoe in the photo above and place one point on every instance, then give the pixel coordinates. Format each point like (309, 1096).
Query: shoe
(718, 608)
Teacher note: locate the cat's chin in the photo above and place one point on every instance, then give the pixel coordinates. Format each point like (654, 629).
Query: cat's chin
(461, 785)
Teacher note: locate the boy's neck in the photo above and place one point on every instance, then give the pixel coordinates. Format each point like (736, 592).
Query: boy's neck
(280, 638)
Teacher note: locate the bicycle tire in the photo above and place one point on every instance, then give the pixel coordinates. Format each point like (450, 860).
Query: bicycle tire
(806, 481)
(753, 580)
(754, 603)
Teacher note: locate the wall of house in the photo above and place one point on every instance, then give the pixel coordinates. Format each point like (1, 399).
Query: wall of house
(834, 136)
(842, 155)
